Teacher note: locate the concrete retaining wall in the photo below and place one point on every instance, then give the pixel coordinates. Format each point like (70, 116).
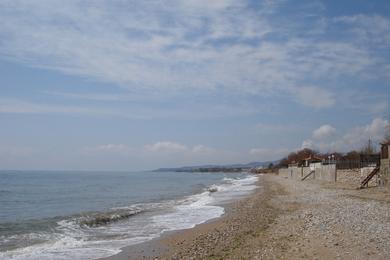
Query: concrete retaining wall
(321, 172)
(384, 174)
(295, 173)
(349, 177)
(326, 173)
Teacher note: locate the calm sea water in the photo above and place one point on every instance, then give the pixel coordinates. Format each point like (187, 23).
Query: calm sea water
(87, 215)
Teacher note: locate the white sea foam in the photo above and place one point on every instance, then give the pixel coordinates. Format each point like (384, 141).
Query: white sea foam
(75, 241)
(202, 207)
(197, 209)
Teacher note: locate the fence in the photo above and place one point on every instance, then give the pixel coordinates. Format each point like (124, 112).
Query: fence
(357, 164)
(321, 172)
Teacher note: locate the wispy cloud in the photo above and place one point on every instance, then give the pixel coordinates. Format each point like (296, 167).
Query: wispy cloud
(169, 147)
(159, 148)
(315, 97)
(374, 29)
(15, 106)
(183, 112)
(109, 97)
(191, 46)
(265, 154)
(267, 128)
(109, 149)
(168, 150)
(203, 149)
(166, 146)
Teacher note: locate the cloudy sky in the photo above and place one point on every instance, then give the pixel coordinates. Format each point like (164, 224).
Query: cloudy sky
(128, 85)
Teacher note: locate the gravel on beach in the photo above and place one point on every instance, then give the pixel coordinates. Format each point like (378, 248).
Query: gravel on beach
(286, 219)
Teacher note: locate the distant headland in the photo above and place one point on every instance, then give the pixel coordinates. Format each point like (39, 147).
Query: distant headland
(219, 168)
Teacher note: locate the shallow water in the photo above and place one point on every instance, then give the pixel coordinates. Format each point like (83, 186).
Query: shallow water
(86, 215)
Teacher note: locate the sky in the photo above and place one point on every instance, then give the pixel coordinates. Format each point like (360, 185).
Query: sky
(137, 85)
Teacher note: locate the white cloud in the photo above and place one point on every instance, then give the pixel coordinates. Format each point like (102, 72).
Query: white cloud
(166, 146)
(258, 151)
(112, 147)
(202, 149)
(309, 144)
(353, 139)
(324, 132)
(374, 131)
(314, 97)
(159, 148)
(184, 46)
(160, 154)
(142, 45)
(370, 28)
(108, 149)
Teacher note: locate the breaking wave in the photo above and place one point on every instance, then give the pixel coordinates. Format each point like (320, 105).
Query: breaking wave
(101, 219)
(94, 235)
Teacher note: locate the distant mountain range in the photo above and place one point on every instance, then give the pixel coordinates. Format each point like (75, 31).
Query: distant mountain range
(213, 166)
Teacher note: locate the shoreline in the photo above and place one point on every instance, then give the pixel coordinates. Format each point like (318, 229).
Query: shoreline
(284, 219)
(205, 239)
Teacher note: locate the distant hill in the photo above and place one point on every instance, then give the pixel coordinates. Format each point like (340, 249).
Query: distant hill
(214, 167)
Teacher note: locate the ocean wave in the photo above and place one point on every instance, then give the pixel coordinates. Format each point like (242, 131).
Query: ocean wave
(202, 207)
(105, 218)
(99, 234)
(212, 188)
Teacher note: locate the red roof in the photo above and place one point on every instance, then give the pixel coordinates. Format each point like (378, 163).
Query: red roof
(314, 158)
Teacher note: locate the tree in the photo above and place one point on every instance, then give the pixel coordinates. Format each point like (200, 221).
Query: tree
(352, 156)
(369, 148)
(297, 157)
(283, 163)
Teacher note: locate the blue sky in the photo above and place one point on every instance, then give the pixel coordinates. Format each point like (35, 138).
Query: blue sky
(127, 85)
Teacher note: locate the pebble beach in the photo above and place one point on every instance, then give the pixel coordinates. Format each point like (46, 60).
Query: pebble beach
(285, 219)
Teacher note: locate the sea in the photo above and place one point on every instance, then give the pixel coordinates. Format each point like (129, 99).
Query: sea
(89, 215)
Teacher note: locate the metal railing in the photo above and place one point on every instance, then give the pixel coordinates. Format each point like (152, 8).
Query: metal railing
(344, 165)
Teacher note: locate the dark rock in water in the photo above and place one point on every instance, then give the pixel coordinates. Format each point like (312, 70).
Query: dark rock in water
(212, 189)
(101, 219)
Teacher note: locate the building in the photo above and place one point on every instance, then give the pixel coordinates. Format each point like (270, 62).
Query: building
(313, 162)
(385, 164)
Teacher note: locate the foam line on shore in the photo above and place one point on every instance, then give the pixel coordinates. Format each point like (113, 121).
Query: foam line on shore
(103, 234)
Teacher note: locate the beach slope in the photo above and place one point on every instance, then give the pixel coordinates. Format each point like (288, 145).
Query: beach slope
(285, 219)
